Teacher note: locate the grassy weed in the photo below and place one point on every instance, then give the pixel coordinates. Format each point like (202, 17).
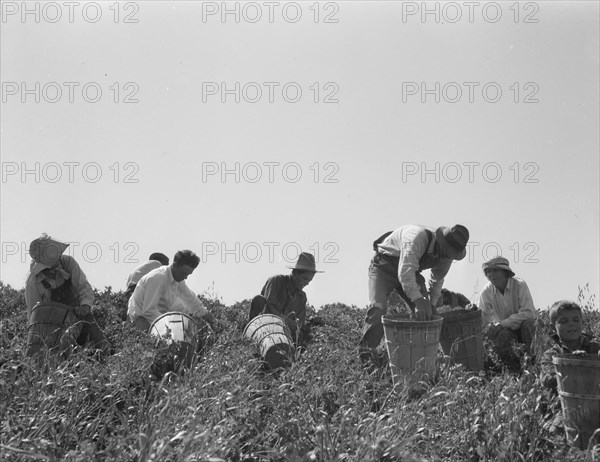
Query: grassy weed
(325, 407)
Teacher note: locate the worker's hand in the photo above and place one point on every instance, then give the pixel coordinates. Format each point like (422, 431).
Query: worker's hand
(493, 329)
(83, 310)
(424, 310)
(471, 307)
(197, 316)
(292, 321)
(208, 317)
(214, 323)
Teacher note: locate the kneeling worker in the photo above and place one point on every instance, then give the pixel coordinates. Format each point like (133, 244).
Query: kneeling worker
(507, 308)
(283, 296)
(55, 277)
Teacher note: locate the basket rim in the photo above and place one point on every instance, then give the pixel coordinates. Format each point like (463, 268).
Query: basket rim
(400, 319)
(460, 313)
(286, 329)
(55, 304)
(587, 360)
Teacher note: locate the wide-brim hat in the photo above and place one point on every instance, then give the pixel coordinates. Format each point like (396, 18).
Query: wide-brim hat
(498, 263)
(46, 251)
(453, 241)
(306, 262)
(37, 267)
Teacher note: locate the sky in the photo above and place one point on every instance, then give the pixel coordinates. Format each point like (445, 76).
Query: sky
(250, 131)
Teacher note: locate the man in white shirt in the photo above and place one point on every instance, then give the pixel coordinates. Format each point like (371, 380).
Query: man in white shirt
(163, 289)
(400, 256)
(507, 308)
(156, 260)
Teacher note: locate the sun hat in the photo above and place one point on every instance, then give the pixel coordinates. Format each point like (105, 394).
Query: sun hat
(498, 263)
(46, 252)
(306, 262)
(36, 267)
(456, 237)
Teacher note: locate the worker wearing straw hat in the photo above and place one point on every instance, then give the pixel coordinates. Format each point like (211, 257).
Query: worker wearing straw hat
(400, 256)
(55, 277)
(506, 308)
(283, 295)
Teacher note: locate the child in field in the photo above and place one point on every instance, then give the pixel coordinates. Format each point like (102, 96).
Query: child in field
(567, 319)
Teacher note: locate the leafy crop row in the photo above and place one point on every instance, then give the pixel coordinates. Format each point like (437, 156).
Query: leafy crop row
(325, 407)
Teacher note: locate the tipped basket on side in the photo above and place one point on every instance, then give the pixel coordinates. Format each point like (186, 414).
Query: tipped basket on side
(273, 338)
(178, 328)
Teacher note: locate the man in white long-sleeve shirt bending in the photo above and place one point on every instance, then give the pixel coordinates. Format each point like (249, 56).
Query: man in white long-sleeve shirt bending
(506, 307)
(163, 289)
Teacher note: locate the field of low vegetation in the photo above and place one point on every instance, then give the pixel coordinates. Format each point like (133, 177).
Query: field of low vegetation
(326, 407)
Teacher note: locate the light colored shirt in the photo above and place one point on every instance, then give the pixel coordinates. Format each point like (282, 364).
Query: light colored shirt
(410, 244)
(141, 271)
(509, 309)
(158, 293)
(68, 269)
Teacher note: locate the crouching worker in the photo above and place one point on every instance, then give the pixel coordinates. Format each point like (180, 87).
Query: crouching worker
(55, 277)
(454, 299)
(283, 296)
(507, 309)
(567, 319)
(164, 289)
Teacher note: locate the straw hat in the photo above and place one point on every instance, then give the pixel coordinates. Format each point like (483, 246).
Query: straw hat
(498, 263)
(306, 262)
(45, 252)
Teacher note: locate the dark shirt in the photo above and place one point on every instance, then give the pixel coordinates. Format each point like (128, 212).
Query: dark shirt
(283, 297)
(548, 374)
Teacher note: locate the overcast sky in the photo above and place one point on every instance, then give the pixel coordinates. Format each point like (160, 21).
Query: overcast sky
(250, 131)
